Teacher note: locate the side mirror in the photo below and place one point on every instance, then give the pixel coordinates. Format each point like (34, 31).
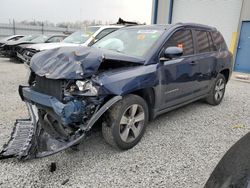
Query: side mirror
(173, 52)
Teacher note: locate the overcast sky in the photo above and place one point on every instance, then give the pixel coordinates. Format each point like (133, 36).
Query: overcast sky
(75, 10)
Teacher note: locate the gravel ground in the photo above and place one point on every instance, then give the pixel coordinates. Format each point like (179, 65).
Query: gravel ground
(179, 149)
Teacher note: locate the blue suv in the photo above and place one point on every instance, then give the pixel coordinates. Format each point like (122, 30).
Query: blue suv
(124, 80)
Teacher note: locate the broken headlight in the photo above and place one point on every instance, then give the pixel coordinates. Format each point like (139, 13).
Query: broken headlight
(87, 88)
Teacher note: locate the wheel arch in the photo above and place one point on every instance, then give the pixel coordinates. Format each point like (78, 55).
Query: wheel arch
(226, 74)
(148, 94)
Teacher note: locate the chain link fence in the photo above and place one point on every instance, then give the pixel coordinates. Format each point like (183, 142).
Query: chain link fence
(18, 29)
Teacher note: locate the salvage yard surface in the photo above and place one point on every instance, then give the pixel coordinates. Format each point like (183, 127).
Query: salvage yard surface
(179, 149)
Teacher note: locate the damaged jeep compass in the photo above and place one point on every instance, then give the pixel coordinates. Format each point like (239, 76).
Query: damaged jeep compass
(124, 80)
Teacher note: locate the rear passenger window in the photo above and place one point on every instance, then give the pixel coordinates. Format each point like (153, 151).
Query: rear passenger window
(183, 39)
(219, 41)
(202, 41)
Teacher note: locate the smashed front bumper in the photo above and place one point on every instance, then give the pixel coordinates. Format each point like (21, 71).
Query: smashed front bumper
(28, 139)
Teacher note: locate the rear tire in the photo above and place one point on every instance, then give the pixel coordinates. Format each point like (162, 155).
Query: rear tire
(126, 122)
(218, 90)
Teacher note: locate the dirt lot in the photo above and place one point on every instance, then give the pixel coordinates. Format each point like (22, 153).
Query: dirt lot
(179, 149)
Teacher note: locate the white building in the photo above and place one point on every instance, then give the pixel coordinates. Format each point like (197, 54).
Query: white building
(230, 17)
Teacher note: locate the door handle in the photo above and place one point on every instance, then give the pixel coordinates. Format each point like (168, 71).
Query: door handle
(193, 63)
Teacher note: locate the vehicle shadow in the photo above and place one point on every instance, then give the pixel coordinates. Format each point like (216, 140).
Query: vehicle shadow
(9, 60)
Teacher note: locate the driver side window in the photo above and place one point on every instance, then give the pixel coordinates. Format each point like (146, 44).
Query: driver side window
(182, 39)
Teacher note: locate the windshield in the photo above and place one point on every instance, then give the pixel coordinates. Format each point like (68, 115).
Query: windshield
(79, 37)
(28, 37)
(40, 39)
(135, 42)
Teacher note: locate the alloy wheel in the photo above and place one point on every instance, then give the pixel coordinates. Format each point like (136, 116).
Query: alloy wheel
(132, 123)
(219, 89)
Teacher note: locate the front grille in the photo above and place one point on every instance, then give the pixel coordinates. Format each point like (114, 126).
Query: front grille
(49, 87)
(20, 50)
(6, 47)
(30, 52)
(17, 48)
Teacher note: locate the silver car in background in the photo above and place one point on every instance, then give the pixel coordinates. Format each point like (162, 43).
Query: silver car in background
(85, 37)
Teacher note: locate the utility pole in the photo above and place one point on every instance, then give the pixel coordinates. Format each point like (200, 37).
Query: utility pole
(42, 28)
(14, 27)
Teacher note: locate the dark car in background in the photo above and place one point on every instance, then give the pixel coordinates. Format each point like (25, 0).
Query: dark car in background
(11, 48)
(124, 80)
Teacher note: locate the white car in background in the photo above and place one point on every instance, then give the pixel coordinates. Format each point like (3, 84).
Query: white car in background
(10, 38)
(85, 37)
(3, 41)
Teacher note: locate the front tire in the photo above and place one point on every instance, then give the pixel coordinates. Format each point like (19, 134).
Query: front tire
(218, 90)
(126, 122)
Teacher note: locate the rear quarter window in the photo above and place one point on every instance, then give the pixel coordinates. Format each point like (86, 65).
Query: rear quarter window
(219, 41)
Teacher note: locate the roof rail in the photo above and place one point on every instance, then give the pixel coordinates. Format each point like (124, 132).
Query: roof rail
(196, 25)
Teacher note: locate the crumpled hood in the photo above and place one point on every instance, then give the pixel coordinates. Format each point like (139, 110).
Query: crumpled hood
(75, 62)
(48, 46)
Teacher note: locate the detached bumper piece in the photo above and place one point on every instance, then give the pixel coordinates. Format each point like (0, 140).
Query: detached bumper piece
(20, 141)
